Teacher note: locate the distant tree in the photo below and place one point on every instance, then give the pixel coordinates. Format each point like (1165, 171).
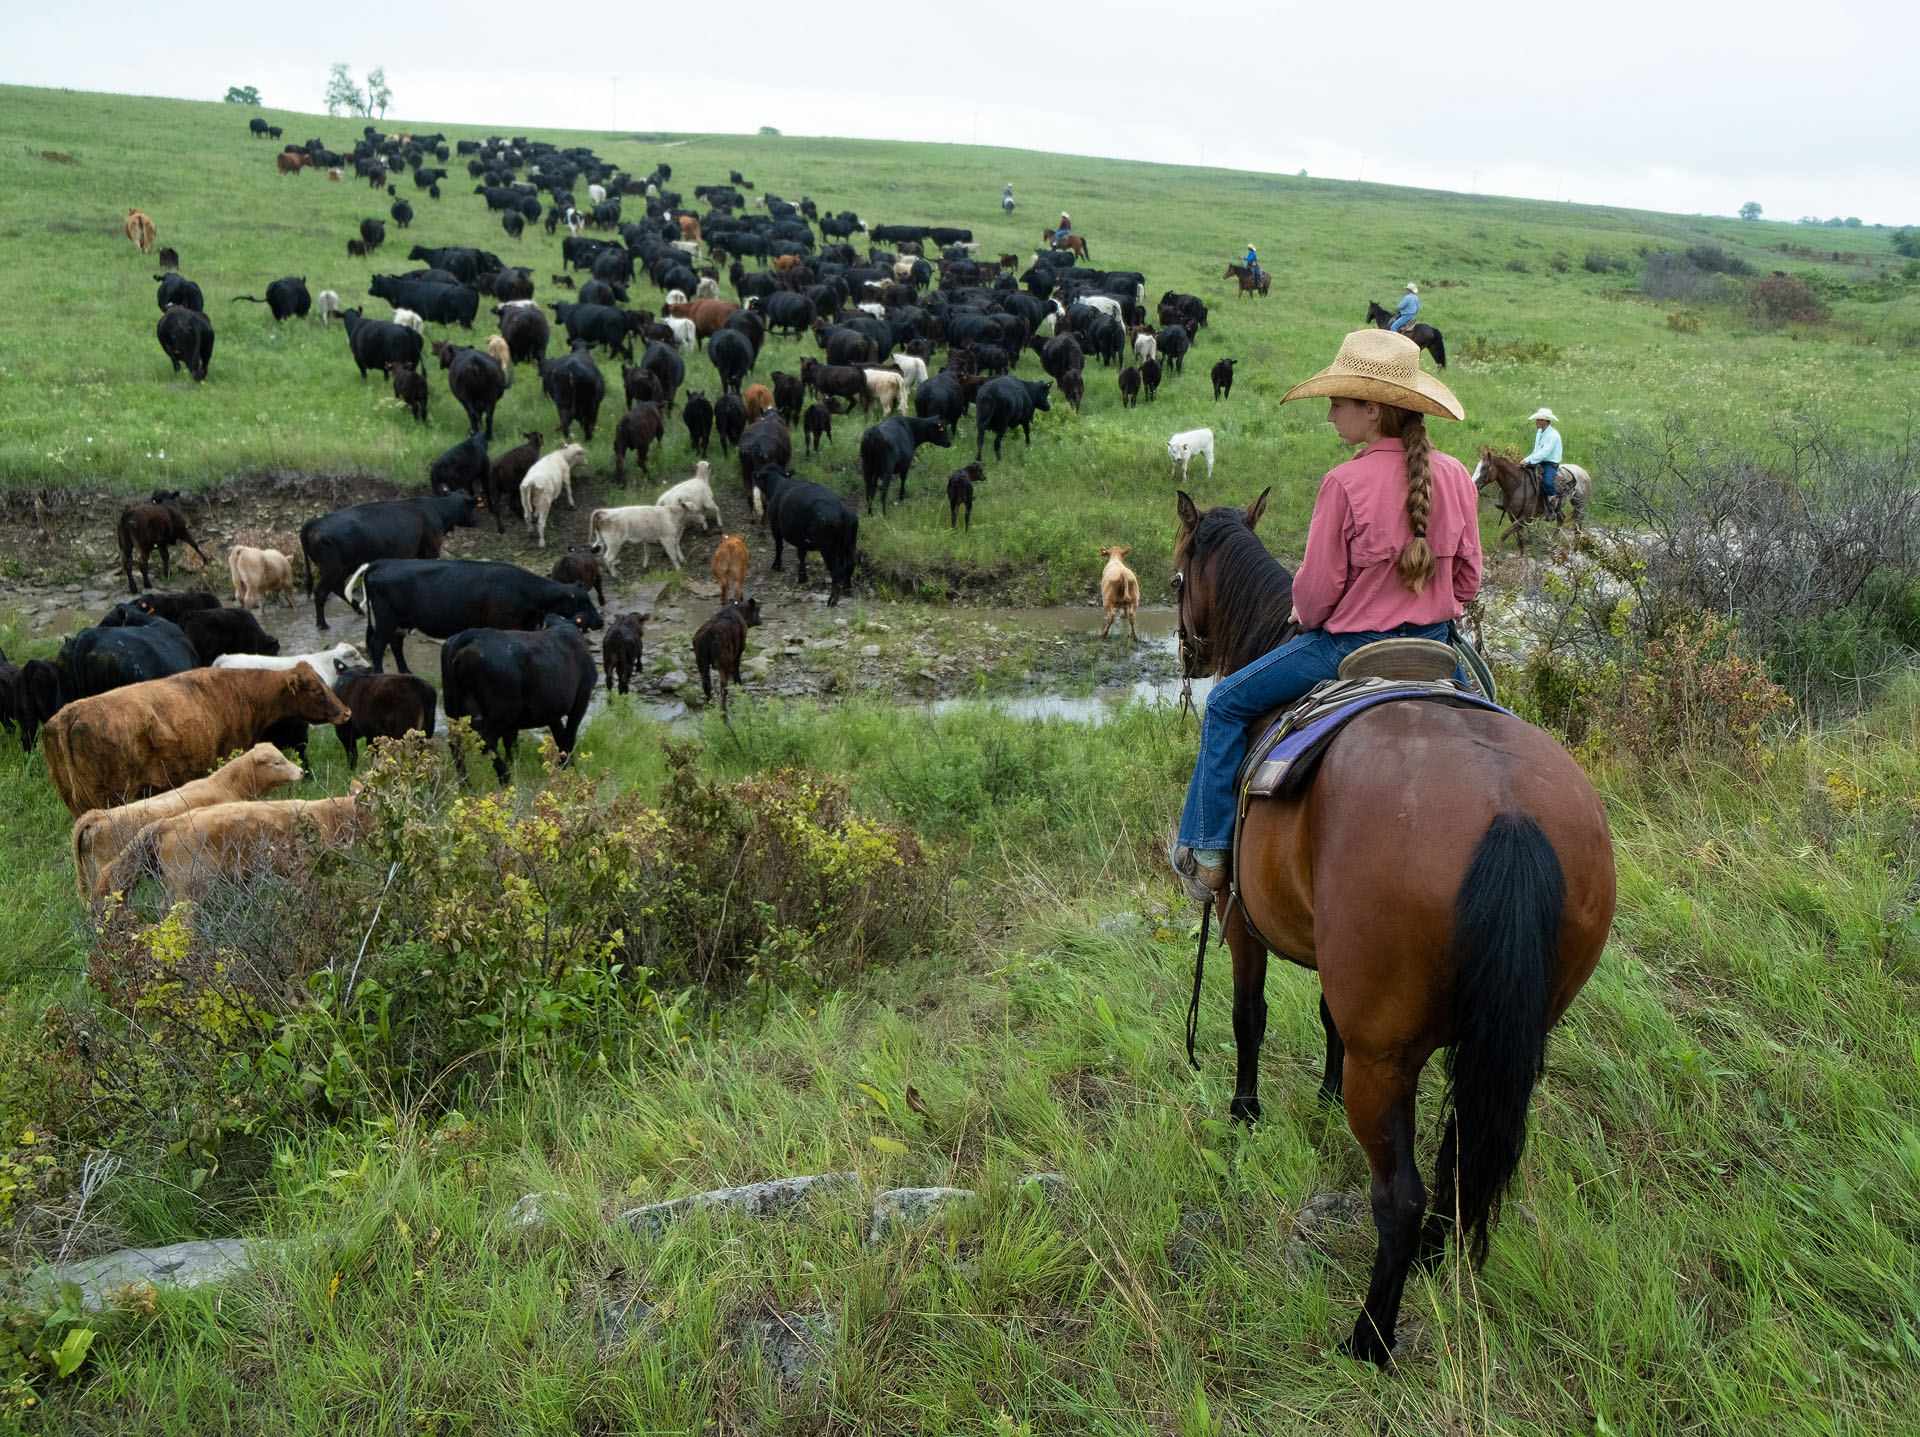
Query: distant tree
(343, 96)
(1808, 220)
(242, 95)
(379, 92)
(1750, 210)
(1907, 242)
(1835, 223)
(769, 130)
(1853, 222)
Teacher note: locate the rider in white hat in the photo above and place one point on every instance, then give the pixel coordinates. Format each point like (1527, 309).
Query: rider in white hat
(1409, 307)
(1253, 262)
(1546, 451)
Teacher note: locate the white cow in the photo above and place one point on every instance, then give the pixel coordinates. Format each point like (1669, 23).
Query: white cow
(326, 662)
(411, 320)
(708, 288)
(1183, 447)
(1105, 303)
(597, 193)
(550, 477)
(610, 530)
(885, 388)
(1145, 347)
(913, 371)
(695, 496)
(684, 334)
(326, 304)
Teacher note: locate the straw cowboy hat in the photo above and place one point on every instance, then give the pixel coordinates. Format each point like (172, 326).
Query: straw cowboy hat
(1412, 288)
(1545, 413)
(1384, 367)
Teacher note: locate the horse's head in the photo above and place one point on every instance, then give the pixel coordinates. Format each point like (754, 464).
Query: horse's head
(1375, 313)
(1228, 589)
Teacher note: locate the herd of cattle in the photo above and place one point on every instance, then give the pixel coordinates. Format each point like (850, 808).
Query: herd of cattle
(139, 709)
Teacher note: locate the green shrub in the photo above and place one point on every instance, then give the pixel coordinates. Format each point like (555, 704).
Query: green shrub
(1780, 299)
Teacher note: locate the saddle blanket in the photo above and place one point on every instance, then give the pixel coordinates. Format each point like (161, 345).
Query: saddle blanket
(1283, 758)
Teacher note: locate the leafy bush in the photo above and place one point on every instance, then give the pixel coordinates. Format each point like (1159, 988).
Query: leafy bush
(1518, 266)
(1598, 261)
(1714, 260)
(1683, 322)
(1907, 242)
(1672, 276)
(1514, 351)
(1558, 263)
(1780, 298)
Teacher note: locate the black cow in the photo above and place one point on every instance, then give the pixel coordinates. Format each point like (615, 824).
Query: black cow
(698, 414)
(789, 396)
(767, 441)
(462, 467)
(286, 298)
(376, 343)
(1173, 342)
(811, 516)
(1150, 378)
(575, 385)
(514, 283)
(383, 706)
(886, 451)
(401, 211)
(214, 632)
(440, 597)
(178, 289)
(504, 476)
(435, 303)
(410, 388)
(598, 291)
(1223, 378)
(506, 682)
(134, 648)
(514, 223)
(941, 397)
(719, 643)
(186, 335)
(663, 361)
(623, 649)
(458, 260)
(730, 420)
(1129, 387)
(896, 234)
(526, 332)
(790, 312)
(601, 324)
(960, 492)
(336, 544)
(36, 698)
(732, 356)
(475, 380)
(1007, 403)
(373, 234)
(581, 566)
(167, 606)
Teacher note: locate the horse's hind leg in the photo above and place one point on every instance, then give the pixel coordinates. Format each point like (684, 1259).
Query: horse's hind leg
(1439, 1222)
(1380, 1112)
(1249, 1013)
(1333, 1078)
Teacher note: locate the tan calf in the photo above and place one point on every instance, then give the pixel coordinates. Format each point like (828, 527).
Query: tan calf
(730, 568)
(1119, 591)
(257, 573)
(237, 842)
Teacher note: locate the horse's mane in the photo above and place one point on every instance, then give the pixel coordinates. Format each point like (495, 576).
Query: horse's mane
(1252, 591)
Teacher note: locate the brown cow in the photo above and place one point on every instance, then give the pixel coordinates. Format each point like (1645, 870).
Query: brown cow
(758, 399)
(291, 162)
(730, 567)
(140, 230)
(160, 523)
(719, 643)
(689, 227)
(149, 737)
(100, 833)
(708, 315)
(257, 573)
(233, 841)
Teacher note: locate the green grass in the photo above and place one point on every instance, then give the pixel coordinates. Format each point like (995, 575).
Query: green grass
(86, 395)
(1712, 1231)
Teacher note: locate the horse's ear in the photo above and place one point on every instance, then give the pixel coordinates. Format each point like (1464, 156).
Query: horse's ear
(1189, 515)
(1258, 507)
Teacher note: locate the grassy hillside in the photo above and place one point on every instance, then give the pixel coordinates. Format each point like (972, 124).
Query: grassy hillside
(86, 395)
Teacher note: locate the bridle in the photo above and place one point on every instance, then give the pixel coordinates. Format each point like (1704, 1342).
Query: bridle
(1192, 657)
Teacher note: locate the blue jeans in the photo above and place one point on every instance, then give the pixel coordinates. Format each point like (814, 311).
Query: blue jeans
(1400, 323)
(1548, 474)
(1240, 699)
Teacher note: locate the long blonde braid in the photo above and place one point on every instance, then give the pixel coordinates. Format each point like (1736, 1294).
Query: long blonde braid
(1416, 562)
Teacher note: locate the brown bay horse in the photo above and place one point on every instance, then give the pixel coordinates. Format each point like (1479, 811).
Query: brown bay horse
(1424, 335)
(1448, 872)
(1248, 284)
(1070, 242)
(1520, 499)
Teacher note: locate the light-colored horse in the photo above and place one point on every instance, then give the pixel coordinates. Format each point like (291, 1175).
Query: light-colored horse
(1520, 498)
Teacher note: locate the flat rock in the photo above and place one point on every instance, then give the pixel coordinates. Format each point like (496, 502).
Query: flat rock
(619, 1320)
(1319, 1224)
(673, 681)
(911, 1207)
(775, 1198)
(534, 1208)
(794, 1344)
(1050, 1185)
(869, 651)
(184, 1264)
(701, 588)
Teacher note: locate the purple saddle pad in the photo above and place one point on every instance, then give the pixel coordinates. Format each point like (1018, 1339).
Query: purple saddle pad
(1283, 758)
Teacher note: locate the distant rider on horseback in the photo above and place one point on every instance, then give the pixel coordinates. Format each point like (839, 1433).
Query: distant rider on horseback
(1006, 200)
(1066, 228)
(1393, 550)
(1546, 453)
(1253, 263)
(1409, 307)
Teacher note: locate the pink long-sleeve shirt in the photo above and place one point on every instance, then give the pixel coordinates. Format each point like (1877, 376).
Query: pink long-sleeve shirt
(1348, 582)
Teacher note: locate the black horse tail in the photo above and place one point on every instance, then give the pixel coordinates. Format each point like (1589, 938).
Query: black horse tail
(1086, 249)
(1439, 348)
(247, 297)
(1506, 931)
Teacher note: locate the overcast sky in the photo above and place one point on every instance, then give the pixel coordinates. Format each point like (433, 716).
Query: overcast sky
(1695, 106)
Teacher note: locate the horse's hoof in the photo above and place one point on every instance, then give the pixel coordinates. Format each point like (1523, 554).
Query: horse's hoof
(1244, 1109)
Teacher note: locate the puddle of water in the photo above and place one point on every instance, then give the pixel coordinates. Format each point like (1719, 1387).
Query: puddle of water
(1094, 708)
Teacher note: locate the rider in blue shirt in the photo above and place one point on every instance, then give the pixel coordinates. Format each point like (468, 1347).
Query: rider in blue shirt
(1409, 307)
(1546, 451)
(1253, 262)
